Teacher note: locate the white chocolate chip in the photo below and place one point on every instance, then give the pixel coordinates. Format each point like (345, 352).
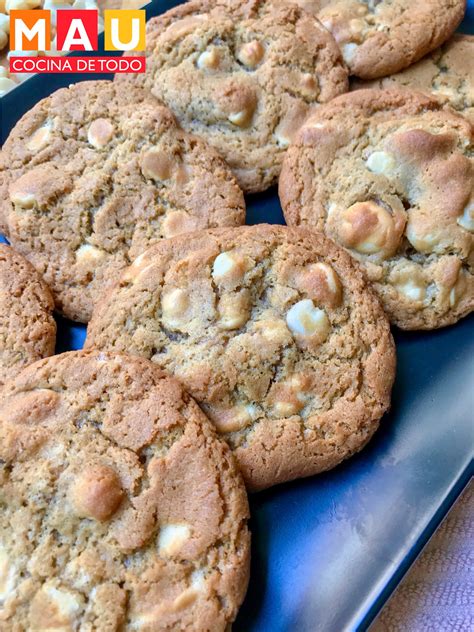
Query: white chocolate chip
(156, 164)
(189, 596)
(198, 579)
(6, 84)
(66, 606)
(251, 54)
(412, 290)
(274, 330)
(319, 281)
(466, 220)
(41, 137)
(305, 319)
(234, 418)
(15, 5)
(242, 118)
(290, 124)
(421, 242)
(331, 277)
(233, 310)
(89, 254)
(315, 125)
(290, 396)
(453, 298)
(177, 222)
(459, 288)
(174, 304)
(348, 52)
(380, 162)
(8, 576)
(24, 199)
(209, 59)
(284, 408)
(368, 228)
(228, 269)
(172, 537)
(4, 23)
(185, 599)
(100, 132)
(224, 266)
(357, 26)
(4, 30)
(136, 269)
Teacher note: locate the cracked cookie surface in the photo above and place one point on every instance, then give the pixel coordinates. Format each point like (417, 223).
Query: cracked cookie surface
(120, 507)
(93, 175)
(244, 76)
(380, 37)
(448, 73)
(274, 332)
(27, 326)
(389, 174)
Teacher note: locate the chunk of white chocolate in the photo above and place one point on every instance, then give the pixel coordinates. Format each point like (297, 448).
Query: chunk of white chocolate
(224, 264)
(458, 290)
(274, 330)
(380, 162)
(241, 118)
(412, 290)
(369, 228)
(209, 59)
(233, 310)
(172, 537)
(88, 254)
(320, 282)
(100, 133)
(23, 198)
(6, 84)
(251, 54)
(41, 137)
(174, 304)
(227, 267)
(62, 605)
(177, 222)
(421, 241)
(156, 164)
(290, 396)
(349, 51)
(306, 320)
(234, 418)
(466, 220)
(8, 576)
(15, 5)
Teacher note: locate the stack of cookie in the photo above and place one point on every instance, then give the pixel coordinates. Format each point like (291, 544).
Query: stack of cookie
(218, 355)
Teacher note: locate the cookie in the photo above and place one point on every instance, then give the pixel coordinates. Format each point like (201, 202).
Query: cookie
(274, 332)
(380, 37)
(448, 73)
(389, 175)
(93, 175)
(121, 509)
(27, 326)
(244, 76)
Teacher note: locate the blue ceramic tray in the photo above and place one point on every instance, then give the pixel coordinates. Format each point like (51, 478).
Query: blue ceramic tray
(329, 550)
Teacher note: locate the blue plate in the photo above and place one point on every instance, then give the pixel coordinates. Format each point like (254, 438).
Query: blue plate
(329, 550)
